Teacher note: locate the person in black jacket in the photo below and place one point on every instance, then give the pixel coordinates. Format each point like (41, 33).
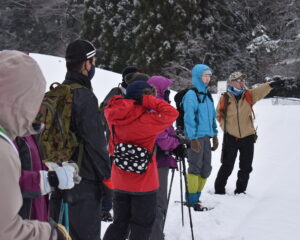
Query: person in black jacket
(85, 198)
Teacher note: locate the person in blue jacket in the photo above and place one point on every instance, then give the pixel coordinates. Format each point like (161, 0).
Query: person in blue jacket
(199, 126)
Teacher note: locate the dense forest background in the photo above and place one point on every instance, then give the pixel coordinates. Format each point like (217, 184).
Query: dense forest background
(167, 37)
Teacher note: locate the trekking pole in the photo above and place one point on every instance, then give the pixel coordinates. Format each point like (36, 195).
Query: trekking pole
(170, 188)
(187, 192)
(169, 195)
(64, 215)
(64, 211)
(181, 192)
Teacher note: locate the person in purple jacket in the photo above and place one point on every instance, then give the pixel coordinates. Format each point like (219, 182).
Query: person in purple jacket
(35, 183)
(35, 205)
(166, 143)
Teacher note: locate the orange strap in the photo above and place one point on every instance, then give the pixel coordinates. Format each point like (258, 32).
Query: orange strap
(222, 107)
(248, 97)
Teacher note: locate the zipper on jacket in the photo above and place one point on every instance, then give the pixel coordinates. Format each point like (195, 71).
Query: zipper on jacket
(237, 110)
(209, 118)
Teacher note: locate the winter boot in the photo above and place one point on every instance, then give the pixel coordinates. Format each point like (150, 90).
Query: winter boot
(199, 208)
(221, 192)
(239, 192)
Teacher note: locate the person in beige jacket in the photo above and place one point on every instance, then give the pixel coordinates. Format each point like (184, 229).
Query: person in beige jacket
(22, 87)
(235, 115)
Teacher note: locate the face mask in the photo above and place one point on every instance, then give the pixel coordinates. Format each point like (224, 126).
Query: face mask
(235, 91)
(38, 127)
(238, 90)
(167, 95)
(91, 72)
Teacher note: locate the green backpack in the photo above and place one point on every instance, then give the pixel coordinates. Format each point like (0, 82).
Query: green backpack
(57, 141)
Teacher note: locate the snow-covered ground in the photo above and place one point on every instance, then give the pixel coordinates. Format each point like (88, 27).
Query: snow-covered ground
(271, 208)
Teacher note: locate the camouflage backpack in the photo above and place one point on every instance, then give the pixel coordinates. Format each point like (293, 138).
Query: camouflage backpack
(57, 141)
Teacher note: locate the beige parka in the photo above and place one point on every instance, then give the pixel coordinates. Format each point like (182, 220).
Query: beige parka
(22, 86)
(239, 119)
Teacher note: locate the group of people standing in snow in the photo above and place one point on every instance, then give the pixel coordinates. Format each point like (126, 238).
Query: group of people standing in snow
(127, 147)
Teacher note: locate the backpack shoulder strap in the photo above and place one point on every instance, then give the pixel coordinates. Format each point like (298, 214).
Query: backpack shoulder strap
(197, 94)
(249, 99)
(224, 102)
(206, 94)
(210, 96)
(72, 86)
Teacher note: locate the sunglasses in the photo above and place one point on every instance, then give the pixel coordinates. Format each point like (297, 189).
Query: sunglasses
(239, 80)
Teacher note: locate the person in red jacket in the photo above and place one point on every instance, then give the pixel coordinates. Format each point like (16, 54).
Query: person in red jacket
(131, 121)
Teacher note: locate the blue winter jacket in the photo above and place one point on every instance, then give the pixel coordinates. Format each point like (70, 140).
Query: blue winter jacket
(199, 118)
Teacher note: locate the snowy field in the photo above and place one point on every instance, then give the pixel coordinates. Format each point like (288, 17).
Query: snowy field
(271, 208)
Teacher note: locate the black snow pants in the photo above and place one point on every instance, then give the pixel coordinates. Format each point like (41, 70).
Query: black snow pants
(84, 209)
(134, 216)
(230, 148)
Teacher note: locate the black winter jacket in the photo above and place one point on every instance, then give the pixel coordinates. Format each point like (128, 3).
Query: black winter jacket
(113, 92)
(86, 124)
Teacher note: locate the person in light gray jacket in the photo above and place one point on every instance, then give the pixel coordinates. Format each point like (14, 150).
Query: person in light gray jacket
(22, 87)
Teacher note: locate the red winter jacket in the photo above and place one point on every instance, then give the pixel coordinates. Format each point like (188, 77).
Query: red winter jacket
(136, 125)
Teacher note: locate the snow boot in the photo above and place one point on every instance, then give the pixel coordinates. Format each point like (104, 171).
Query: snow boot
(239, 192)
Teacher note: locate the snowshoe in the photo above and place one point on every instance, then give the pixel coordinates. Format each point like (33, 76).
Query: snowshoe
(198, 207)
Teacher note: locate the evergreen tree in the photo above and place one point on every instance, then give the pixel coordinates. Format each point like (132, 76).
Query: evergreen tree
(40, 26)
(161, 26)
(219, 41)
(109, 25)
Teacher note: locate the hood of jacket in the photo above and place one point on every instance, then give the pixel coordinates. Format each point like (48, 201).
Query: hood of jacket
(121, 111)
(197, 72)
(22, 88)
(161, 84)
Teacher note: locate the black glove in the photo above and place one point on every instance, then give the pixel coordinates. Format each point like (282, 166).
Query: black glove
(167, 96)
(277, 83)
(180, 151)
(183, 140)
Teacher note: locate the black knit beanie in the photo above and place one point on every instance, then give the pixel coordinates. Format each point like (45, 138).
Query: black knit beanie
(135, 90)
(127, 70)
(79, 51)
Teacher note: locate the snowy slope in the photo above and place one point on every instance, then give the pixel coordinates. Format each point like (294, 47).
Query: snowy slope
(271, 208)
